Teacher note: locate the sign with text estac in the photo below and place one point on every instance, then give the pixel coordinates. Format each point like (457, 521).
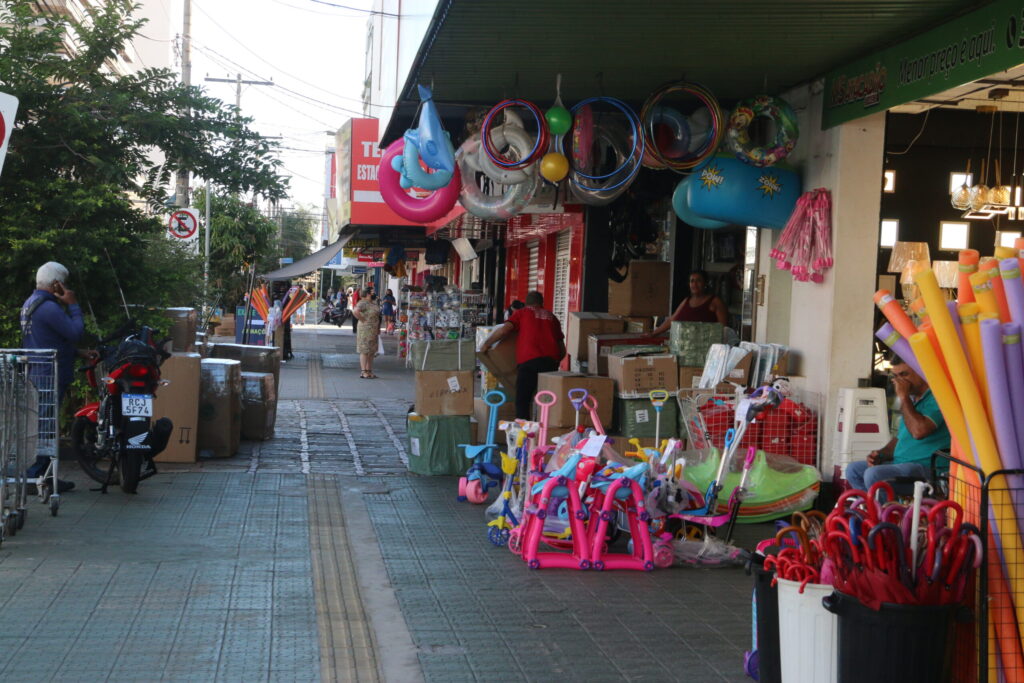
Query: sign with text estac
(975, 45)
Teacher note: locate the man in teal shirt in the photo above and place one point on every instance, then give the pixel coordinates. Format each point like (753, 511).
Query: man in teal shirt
(922, 432)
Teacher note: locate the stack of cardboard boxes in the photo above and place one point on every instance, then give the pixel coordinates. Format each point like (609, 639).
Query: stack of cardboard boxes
(178, 400)
(444, 403)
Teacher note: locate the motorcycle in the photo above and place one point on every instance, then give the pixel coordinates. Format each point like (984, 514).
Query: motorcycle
(334, 315)
(113, 438)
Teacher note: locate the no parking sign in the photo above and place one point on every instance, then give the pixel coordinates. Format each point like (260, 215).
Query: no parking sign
(8, 109)
(184, 224)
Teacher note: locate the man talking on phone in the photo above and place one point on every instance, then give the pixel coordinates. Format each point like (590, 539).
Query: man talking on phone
(47, 324)
(922, 432)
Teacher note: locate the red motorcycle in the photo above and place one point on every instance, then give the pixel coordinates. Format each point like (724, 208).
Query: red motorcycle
(114, 438)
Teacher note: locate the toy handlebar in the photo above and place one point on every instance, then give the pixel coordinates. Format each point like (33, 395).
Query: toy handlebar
(495, 398)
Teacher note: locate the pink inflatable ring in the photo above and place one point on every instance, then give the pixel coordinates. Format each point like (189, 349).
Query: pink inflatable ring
(425, 210)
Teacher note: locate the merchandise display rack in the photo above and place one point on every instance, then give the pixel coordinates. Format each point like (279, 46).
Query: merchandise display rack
(450, 314)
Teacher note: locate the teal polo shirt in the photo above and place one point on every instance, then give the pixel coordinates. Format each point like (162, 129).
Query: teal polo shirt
(909, 449)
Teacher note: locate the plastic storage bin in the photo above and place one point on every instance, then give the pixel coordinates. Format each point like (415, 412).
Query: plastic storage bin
(807, 634)
(767, 624)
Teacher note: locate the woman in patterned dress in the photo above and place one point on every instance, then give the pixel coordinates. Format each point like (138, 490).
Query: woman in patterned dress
(367, 312)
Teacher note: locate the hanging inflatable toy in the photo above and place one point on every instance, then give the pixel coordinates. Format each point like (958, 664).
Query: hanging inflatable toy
(588, 184)
(414, 208)
(699, 146)
(682, 208)
(430, 143)
(737, 134)
(518, 141)
(539, 147)
(554, 167)
(726, 189)
(500, 207)
(669, 131)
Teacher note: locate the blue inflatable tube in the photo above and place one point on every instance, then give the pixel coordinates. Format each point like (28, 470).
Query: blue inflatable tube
(726, 189)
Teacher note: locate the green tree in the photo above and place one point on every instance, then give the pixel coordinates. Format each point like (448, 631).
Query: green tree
(83, 147)
(297, 228)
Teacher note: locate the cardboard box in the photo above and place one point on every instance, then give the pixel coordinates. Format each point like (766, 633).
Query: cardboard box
(482, 413)
(636, 375)
(444, 392)
(689, 376)
(179, 401)
(562, 414)
(637, 417)
(645, 291)
(639, 325)
(226, 327)
(442, 354)
(582, 325)
(253, 359)
(259, 406)
(182, 328)
(599, 346)
(220, 407)
(500, 361)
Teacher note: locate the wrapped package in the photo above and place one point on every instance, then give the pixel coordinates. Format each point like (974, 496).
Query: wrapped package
(434, 444)
(442, 354)
(259, 405)
(690, 342)
(220, 407)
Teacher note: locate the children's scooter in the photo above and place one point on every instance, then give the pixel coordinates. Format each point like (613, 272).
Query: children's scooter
(483, 473)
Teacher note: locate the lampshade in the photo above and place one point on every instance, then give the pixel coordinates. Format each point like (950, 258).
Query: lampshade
(946, 273)
(902, 252)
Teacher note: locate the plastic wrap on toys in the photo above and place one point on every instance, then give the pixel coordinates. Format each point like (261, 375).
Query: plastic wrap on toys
(220, 407)
(709, 552)
(690, 341)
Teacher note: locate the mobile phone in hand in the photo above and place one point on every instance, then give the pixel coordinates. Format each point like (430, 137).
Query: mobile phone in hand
(58, 288)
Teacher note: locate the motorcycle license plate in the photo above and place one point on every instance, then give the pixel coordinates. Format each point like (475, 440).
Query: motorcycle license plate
(137, 405)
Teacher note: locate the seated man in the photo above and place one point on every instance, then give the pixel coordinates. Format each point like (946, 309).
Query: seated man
(922, 432)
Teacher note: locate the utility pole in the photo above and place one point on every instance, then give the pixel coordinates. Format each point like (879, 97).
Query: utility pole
(181, 187)
(238, 85)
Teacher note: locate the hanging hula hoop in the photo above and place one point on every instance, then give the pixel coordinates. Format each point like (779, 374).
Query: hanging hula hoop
(513, 199)
(737, 135)
(540, 147)
(630, 163)
(694, 155)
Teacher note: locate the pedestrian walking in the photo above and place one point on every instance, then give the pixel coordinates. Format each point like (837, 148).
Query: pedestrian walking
(368, 337)
(387, 310)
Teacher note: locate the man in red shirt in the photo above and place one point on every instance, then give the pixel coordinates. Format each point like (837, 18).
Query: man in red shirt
(539, 348)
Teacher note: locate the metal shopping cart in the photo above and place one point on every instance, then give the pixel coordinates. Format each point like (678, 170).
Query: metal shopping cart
(28, 384)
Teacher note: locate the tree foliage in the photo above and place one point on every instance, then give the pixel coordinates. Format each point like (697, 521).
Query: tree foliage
(92, 154)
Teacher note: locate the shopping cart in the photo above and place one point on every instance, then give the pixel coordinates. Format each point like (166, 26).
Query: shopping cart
(31, 400)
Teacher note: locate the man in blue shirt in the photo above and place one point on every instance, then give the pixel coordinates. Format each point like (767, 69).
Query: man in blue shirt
(922, 431)
(45, 324)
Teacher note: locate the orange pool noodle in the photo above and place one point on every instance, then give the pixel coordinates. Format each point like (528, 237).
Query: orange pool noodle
(894, 313)
(968, 261)
(995, 278)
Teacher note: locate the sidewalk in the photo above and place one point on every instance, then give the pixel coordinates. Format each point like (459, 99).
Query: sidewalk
(316, 556)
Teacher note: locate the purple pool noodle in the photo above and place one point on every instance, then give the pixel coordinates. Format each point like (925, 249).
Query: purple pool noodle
(998, 389)
(1015, 379)
(954, 313)
(895, 341)
(1009, 269)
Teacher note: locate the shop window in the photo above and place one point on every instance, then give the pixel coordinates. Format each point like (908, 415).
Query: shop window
(953, 235)
(1007, 238)
(889, 181)
(889, 233)
(958, 180)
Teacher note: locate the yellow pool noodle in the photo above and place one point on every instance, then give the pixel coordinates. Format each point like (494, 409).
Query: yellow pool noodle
(942, 388)
(978, 423)
(983, 294)
(969, 318)
(1004, 253)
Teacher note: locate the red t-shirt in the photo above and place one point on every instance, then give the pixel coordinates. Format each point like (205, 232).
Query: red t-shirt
(355, 299)
(540, 334)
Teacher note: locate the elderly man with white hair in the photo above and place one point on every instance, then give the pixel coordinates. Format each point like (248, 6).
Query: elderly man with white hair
(47, 324)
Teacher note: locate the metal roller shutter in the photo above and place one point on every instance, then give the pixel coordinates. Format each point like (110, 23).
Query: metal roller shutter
(560, 295)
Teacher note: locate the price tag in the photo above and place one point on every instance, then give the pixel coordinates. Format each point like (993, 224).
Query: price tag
(643, 415)
(592, 448)
(414, 445)
(453, 384)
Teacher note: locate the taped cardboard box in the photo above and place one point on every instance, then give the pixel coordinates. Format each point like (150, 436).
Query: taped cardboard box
(637, 375)
(584, 324)
(482, 413)
(562, 414)
(182, 328)
(644, 291)
(179, 402)
(253, 359)
(640, 325)
(600, 347)
(444, 392)
(434, 444)
(637, 417)
(259, 406)
(500, 361)
(220, 407)
(442, 354)
(226, 327)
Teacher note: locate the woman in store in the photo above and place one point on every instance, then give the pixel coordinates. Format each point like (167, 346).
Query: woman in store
(700, 307)
(387, 310)
(368, 313)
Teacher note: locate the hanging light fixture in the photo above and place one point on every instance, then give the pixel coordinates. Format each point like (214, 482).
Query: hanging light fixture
(987, 203)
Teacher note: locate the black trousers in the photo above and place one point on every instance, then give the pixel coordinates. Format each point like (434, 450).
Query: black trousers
(526, 383)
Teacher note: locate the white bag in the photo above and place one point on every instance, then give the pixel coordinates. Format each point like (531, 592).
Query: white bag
(380, 346)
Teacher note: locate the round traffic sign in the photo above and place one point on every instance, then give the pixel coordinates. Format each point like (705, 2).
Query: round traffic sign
(183, 224)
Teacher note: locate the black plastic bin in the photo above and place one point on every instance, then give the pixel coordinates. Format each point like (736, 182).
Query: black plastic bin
(766, 596)
(897, 643)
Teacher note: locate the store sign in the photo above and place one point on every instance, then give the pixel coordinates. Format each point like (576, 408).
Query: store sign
(976, 45)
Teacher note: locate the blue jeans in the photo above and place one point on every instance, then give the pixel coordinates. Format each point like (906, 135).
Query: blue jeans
(861, 475)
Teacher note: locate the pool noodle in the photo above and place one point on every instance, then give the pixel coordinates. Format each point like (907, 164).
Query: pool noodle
(918, 309)
(983, 293)
(894, 313)
(899, 346)
(1015, 382)
(1009, 270)
(972, 335)
(996, 369)
(968, 264)
(1000, 613)
(942, 389)
(1002, 253)
(954, 315)
(981, 431)
(1018, 244)
(992, 268)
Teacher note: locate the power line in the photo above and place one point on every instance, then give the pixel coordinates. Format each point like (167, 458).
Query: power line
(356, 9)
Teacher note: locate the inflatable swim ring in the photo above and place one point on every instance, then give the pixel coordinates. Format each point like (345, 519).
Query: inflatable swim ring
(737, 134)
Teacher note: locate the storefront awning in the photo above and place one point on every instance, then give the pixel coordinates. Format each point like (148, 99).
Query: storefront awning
(314, 261)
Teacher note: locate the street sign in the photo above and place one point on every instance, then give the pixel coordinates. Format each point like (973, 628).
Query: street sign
(8, 109)
(184, 224)
(285, 260)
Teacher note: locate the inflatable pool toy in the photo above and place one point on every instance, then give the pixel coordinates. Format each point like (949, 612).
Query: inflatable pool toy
(682, 209)
(737, 133)
(668, 131)
(588, 184)
(415, 209)
(517, 140)
(726, 189)
(429, 143)
(539, 148)
(499, 207)
(703, 127)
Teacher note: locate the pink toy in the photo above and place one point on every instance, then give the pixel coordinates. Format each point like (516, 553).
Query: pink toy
(561, 485)
(434, 206)
(623, 494)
